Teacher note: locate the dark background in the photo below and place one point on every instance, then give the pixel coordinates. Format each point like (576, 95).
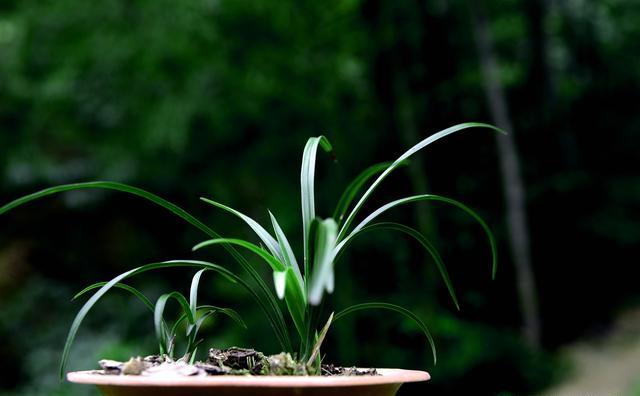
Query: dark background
(217, 98)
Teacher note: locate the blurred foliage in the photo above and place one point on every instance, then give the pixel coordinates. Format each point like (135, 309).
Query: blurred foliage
(216, 98)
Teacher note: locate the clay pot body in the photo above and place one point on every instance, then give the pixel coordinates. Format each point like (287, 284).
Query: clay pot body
(386, 384)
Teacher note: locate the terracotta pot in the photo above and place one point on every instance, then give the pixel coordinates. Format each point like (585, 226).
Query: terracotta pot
(386, 384)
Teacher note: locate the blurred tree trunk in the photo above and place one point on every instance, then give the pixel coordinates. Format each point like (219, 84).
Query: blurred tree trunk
(512, 181)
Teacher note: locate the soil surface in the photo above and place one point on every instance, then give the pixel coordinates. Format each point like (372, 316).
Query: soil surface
(230, 361)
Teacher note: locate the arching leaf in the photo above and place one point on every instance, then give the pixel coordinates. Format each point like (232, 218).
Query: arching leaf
(428, 197)
(82, 313)
(285, 247)
(158, 319)
(422, 144)
(355, 186)
(307, 194)
(323, 260)
(417, 236)
(394, 308)
(263, 234)
(273, 262)
(268, 303)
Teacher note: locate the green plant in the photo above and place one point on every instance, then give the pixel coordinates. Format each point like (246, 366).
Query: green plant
(324, 241)
(165, 334)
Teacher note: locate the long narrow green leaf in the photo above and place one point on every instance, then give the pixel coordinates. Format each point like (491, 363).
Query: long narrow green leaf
(192, 359)
(192, 332)
(296, 301)
(131, 290)
(193, 298)
(199, 321)
(263, 234)
(193, 291)
(395, 308)
(122, 286)
(118, 187)
(307, 195)
(82, 313)
(227, 311)
(428, 197)
(285, 247)
(355, 186)
(311, 242)
(280, 283)
(320, 339)
(322, 278)
(417, 236)
(158, 315)
(331, 280)
(403, 157)
(178, 322)
(268, 303)
(275, 264)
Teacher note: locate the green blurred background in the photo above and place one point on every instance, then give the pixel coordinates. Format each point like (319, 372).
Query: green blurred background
(217, 98)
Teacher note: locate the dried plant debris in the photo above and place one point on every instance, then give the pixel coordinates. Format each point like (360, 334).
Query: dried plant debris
(111, 367)
(134, 366)
(330, 369)
(230, 361)
(175, 369)
(284, 364)
(237, 360)
(155, 360)
(212, 369)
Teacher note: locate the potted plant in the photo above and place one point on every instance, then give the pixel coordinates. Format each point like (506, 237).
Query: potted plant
(300, 281)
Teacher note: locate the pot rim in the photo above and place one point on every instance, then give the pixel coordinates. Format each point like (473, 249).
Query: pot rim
(387, 376)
